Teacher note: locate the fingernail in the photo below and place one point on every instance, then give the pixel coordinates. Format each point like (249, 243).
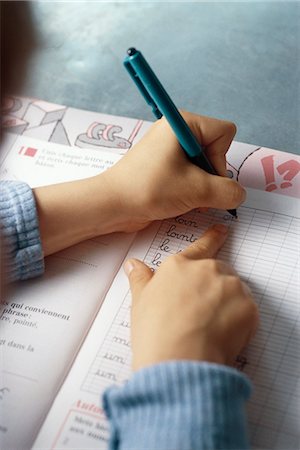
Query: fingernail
(128, 267)
(221, 228)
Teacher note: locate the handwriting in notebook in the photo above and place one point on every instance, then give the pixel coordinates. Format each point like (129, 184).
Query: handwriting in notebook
(262, 246)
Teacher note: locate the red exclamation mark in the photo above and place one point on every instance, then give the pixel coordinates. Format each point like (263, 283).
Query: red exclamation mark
(290, 169)
(268, 166)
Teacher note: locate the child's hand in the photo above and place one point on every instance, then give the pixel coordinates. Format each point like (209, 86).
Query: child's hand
(155, 180)
(193, 307)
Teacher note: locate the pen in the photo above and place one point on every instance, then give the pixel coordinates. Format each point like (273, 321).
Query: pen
(156, 96)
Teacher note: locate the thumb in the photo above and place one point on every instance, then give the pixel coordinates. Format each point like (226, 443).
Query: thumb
(221, 192)
(138, 275)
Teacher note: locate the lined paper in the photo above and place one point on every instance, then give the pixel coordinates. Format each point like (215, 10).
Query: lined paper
(263, 246)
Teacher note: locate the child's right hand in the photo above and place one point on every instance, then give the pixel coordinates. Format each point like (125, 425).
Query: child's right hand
(155, 180)
(193, 307)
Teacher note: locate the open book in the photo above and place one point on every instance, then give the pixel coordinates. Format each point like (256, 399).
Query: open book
(65, 336)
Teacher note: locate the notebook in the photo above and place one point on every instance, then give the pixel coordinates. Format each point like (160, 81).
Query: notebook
(65, 336)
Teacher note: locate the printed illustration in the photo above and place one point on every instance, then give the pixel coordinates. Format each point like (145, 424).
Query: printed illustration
(59, 124)
(288, 169)
(254, 167)
(28, 151)
(39, 113)
(14, 124)
(101, 135)
(40, 119)
(268, 170)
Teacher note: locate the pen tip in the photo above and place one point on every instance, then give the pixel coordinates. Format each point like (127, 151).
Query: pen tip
(131, 51)
(233, 213)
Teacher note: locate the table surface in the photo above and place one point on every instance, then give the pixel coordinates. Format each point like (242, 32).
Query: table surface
(233, 60)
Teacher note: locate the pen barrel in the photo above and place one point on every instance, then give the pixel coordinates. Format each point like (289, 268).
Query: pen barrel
(156, 95)
(165, 104)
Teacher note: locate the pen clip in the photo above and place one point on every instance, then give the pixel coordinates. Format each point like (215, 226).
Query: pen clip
(142, 88)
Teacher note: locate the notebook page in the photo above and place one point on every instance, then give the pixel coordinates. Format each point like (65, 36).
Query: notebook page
(44, 320)
(264, 248)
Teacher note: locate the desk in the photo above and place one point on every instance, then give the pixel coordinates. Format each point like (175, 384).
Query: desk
(238, 61)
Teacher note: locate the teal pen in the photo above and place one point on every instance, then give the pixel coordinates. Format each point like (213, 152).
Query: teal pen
(157, 97)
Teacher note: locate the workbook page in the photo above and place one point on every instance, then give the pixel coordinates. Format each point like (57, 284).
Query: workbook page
(44, 321)
(263, 246)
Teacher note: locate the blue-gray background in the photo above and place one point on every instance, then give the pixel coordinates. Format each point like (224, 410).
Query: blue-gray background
(234, 60)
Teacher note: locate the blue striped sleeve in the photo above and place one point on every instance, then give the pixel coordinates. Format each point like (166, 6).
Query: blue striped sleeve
(21, 247)
(184, 405)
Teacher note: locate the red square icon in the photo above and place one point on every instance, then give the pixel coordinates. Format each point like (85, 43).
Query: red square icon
(30, 151)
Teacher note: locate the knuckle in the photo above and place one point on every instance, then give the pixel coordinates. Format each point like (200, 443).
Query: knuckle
(202, 247)
(177, 258)
(235, 284)
(175, 261)
(231, 128)
(223, 266)
(226, 268)
(212, 265)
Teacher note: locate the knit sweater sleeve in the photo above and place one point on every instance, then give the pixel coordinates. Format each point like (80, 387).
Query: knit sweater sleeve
(20, 235)
(184, 405)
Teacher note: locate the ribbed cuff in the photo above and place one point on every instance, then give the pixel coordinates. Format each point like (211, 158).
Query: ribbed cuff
(184, 405)
(22, 248)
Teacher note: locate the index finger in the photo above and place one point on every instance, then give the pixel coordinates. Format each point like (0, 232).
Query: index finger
(208, 245)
